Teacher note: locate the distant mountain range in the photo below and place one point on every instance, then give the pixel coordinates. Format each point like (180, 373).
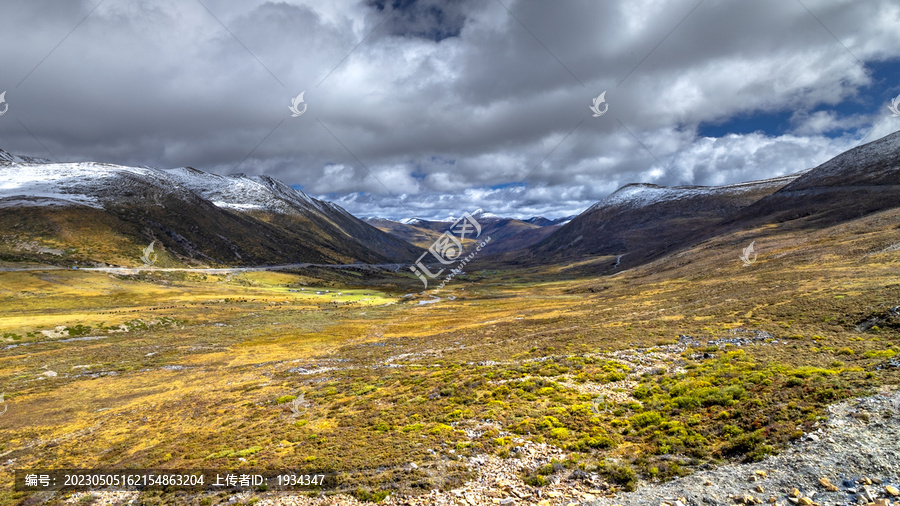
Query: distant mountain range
(99, 213)
(507, 234)
(102, 213)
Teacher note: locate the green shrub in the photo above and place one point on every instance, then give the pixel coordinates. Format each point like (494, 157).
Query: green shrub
(78, 330)
(743, 444)
(536, 480)
(622, 475)
(731, 430)
(807, 371)
(641, 392)
(285, 398)
(646, 419)
(248, 451)
(793, 382)
(365, 389)
(549, 422)
(686, 402)
(370, 496)
(880, 354)
(597, 442)
(441, 429)
(559, 433)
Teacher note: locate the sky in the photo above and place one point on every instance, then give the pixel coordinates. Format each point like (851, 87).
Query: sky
(427, 108)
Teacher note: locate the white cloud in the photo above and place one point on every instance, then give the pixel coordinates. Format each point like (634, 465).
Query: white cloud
(441, 122)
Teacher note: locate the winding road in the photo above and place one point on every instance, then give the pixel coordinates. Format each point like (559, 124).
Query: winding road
(220, 270)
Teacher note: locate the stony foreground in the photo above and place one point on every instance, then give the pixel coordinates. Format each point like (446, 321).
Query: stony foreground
(853, 458)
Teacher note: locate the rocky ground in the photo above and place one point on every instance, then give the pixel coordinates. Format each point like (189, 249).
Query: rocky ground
(853, 458)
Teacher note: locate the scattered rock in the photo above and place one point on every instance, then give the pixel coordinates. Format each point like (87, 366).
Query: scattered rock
(825, 482)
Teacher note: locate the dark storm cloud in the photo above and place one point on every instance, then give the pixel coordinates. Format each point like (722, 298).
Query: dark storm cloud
(431, 19)
(434, 108)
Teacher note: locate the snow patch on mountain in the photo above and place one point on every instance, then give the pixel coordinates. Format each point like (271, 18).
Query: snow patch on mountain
(243, 193)
(32, 181)
(478, 214)
(482, 214)
(880, 157)
(11, 158)
(638, 195)
(75, 183)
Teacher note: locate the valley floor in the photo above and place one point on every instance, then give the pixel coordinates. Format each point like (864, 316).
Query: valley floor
(514, 387)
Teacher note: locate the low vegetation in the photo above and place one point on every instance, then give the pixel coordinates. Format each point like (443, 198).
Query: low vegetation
(645, 375)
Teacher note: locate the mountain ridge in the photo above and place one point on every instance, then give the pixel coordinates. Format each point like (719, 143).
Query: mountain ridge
(855, 183)
(644, 220)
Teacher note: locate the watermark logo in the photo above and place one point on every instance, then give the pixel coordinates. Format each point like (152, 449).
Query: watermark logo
(298, 405)
(296, 102)
(5, 407)
(894, 107)
(745, 257)
(448, 249)
(598, 401)
(3, 102)
(601, 99)
(149, 257)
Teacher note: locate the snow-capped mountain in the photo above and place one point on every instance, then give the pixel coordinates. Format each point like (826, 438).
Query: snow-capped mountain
(86, 184)
(481, 214)
(93, 184)
(238, 191)
(638, 195)
(478, 214)
(197, 215)
(644, 221)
